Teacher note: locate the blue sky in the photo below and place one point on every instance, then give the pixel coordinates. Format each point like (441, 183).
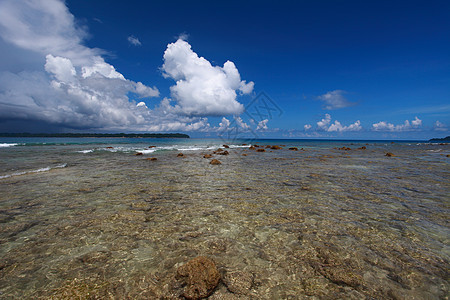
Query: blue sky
(333, 69)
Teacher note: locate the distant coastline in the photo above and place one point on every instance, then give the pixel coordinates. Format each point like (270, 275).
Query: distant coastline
(98, 135)
(446, 139)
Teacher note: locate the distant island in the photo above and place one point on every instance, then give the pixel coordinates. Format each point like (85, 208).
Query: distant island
(98, 135)
(446, 139)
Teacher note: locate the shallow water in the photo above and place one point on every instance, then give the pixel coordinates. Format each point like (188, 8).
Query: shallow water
(79, 219)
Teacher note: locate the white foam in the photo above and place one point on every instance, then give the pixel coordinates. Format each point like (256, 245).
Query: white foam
(86, 151)
(33, 171)
(146, 151)
(5, 145)
(240, 146)
(191, 149)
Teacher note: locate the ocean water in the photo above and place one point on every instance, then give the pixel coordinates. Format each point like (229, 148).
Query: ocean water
(88, 218)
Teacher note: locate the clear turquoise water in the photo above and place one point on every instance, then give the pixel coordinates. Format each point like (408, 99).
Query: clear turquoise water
(80, 219)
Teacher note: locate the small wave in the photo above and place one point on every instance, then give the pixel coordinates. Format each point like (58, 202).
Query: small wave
(146, 151)
(5, 145)
(34, 171)
(86, 151)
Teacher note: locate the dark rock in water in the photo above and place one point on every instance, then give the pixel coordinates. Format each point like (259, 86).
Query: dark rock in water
(293, 148)
(109, 147)
(251, 148)
(244, 144)
(345, 148)
(389, 154)
(152, 158)
(244, 154)
(215, 162)
(261, 150)
(223, 153)
(362, 148)
(152, 147)
(448, 155)
(139, 153)
(275, 147)
(207, 156)
(268, 146)
(180, 155)
(200, 276)
(256, 146)
(238, 282)
(226, 146)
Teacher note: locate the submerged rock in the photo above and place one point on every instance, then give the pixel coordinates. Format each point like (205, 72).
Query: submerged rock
(238, 282)
(293, 148)
(275, 147)
(207, 156)
(261, 150)
(226, 146)
(389, 154)
(180, 155)
(109, 147)
(200, 276)
(152, 147)
(152, 158)
(215, 162)
(139, 153)
(362, 148)
(223, 153)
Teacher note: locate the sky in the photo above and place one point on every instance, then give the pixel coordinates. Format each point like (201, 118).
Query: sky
(267, 69)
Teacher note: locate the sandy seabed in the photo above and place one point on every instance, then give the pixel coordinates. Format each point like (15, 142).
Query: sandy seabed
(322, 223)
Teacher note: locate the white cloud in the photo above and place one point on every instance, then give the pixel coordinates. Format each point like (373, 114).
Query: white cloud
(202, 89)
(45, 27)
(262, 125)
(134, 41)
(242, 125)
(337, 126)
(438, 126)
(406, 126)
(323, 124)
(67, 83)
(335, 100)
(416, 122)
(307, 127)
(224, 125)
(50, 76)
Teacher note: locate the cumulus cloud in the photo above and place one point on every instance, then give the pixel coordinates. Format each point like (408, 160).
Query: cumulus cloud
(224, 125)
(324, 125)
(134, 41)
(62, 82)
(307, 127)
(337, 126)
(203, 89)
(416, 122)
(438, 126)
(262, 125)
(406, 126)
(335, 100)
(242, 125)
(47, 75)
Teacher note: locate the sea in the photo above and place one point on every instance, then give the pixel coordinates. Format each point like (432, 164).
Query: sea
(114, 218)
